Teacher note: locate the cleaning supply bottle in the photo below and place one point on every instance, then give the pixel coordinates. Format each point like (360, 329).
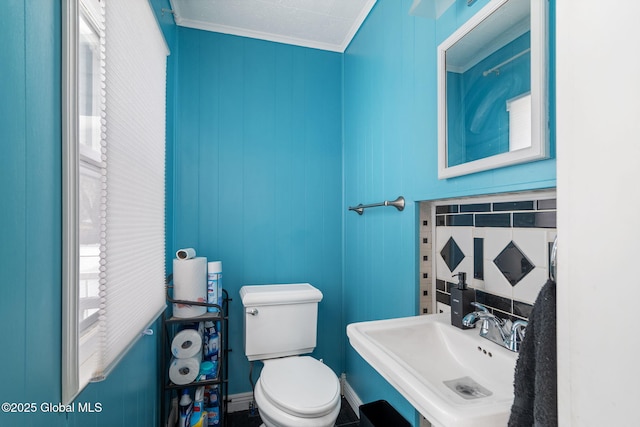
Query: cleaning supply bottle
(461, 299)
(186, 409)
(199, 415)
(212, 405)
(211, 341)
(214, 284)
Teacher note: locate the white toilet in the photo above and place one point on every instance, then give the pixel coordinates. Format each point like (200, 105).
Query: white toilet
(279, 327)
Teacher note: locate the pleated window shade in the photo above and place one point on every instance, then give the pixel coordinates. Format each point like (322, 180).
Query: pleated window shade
(132, 208)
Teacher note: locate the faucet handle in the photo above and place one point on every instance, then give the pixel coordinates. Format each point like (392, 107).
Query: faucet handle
(480, 307)
(518, 330)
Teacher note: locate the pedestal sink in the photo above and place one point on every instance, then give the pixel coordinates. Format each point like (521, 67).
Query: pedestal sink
(452, 376)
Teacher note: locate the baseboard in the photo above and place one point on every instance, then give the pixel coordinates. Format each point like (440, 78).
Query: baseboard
(239, 402)
(350, 396)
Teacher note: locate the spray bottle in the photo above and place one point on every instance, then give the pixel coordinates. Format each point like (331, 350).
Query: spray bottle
(199, 415)
(186, 409)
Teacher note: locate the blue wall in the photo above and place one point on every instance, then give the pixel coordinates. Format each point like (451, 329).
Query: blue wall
(170, 32)
(257, 172)
(390, 149)
(267, 145)
(30, 193)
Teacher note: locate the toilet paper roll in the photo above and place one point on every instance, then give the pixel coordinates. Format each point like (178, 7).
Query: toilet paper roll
(189, 284)
(186, 253)
(184, 371)
(187, 343)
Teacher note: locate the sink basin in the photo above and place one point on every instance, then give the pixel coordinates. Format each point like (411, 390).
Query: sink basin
(452, 376)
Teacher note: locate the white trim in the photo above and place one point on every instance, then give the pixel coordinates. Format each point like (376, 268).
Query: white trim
(277, 38)
(512, 196)
(239, 402)
(539, 148)
(357, 24)
(465, 28)
(70, 380)
(243, 32)
(351, 397)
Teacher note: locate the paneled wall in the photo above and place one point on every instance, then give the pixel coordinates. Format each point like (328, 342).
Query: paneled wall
(390, 149)
(257, 173)
(30, 218)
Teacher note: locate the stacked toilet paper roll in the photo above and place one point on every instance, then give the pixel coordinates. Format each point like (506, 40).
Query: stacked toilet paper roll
(187, 343)
(186, 348)
(184, 371)
(189, 284)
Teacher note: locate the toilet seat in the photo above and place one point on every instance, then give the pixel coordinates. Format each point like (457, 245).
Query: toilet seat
(300, 386)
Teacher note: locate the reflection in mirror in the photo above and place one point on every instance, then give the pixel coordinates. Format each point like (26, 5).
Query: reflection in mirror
(492, 89)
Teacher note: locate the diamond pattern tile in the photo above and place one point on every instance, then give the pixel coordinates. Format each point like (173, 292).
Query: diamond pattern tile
(452, 254)
(513, 264)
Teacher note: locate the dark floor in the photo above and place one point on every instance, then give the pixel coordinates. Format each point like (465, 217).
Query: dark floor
(346, 418)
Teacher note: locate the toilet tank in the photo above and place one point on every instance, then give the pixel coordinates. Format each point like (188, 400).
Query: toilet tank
(279, 320)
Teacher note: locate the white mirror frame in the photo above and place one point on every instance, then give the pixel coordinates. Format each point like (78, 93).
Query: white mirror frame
(539, 148)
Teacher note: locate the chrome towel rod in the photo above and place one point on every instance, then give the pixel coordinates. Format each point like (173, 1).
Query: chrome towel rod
(397, 203)
(496, 69)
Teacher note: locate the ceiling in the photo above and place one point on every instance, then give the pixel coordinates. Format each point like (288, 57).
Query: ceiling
(320, 24)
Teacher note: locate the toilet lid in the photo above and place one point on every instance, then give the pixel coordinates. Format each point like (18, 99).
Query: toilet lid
(300, 386)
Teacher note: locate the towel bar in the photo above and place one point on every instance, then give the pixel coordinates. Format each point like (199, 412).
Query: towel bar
(397, 203)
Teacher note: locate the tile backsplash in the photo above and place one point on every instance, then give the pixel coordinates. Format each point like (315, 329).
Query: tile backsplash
(502, 242)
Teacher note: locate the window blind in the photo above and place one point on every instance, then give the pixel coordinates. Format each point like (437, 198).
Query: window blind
(114, 74)
(132, 248)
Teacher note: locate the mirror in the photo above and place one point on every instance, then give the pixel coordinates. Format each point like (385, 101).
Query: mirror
(492, 89)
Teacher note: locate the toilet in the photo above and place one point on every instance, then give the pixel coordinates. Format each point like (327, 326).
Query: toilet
(294, 389)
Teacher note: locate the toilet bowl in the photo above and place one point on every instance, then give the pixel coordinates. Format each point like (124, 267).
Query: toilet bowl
(297, 392)
(280, 327)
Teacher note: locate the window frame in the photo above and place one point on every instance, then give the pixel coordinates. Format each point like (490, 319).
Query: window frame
(136, 94)
(70, 211)
(79, 336)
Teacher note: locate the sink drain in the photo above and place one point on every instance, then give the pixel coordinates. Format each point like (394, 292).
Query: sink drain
(467, 388)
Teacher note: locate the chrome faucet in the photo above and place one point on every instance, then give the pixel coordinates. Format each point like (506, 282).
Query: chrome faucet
(502, 332)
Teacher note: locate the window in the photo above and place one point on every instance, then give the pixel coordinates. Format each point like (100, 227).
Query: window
(90, 102)
(114, 60)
